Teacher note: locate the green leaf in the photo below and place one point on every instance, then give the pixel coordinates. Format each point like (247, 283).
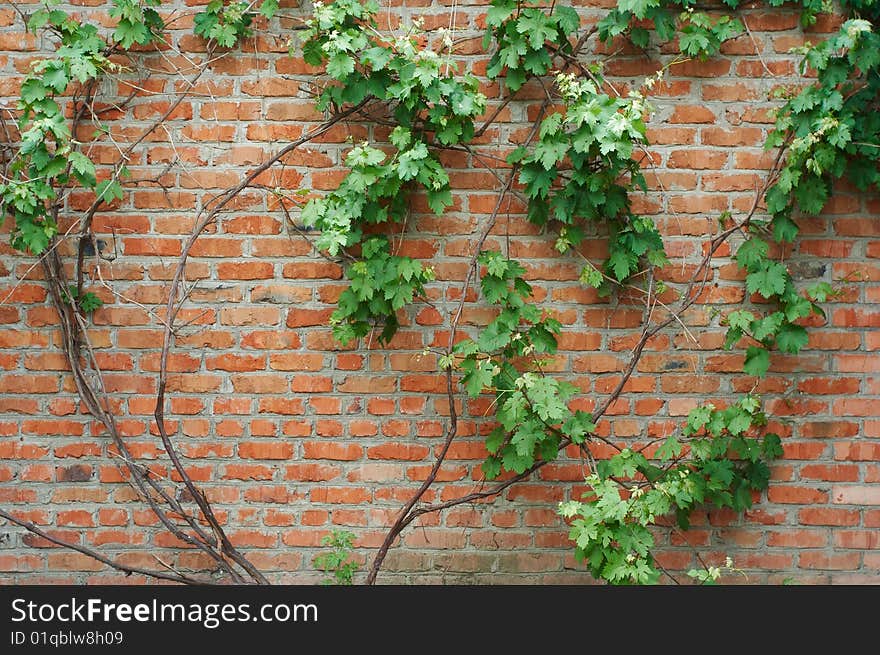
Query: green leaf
(757, 361)
(495, 440)
(811, 195)
(36, 236)
(768, 326)
(82, 168)
(37, 20)
(694, 42)
(516, 462)
(496, 264)
(772, 446)
(592, 277)
(56, 78)
(438, 201)
(670, 449)
(491, 468)
(784, 229)
(479, 378)
(89, 302)
(128, 33)
(567, 19)
(535, 24)
(752, 253)
(791, 338)
(740, 319)
(739, 423)
(268, 8)
(53, 167)
(109, 190)
(621, 264)
(614, 23)
(33, 90)
(698, 417)
(637, 8)
(640, 37)
(550, 126)
(550, 152)
(494, 289)
(499, 12)
(768, 282)
(537, 180)
(820, 292)
(340, 65)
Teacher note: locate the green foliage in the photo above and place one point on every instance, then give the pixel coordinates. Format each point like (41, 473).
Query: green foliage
(432, 106)
(702, 37)
(47, 157)
(227, 23)
(137, 22)
(582, 170)
(430, 100)
(530, 406)
(381, 285)
(830, 129)
(336, 563)
(87, 302)
(526, 39)
(716, 459)
(698, 34)
(582, 166)
(770, 280)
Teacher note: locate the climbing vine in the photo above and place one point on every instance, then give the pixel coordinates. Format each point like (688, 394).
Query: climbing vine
(577, 169)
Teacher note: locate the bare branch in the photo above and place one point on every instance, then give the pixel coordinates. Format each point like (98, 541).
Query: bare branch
(175, 576)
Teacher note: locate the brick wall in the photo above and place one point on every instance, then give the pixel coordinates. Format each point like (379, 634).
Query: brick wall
(292, 435)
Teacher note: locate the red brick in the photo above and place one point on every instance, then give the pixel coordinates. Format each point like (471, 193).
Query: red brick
(265, 450)
(320, 450)
(828, 516)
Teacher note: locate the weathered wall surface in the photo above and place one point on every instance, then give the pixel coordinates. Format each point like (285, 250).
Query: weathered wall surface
(292, 435)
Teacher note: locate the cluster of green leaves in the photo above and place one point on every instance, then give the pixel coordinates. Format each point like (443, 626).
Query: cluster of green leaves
(87, 302)
(831, 129)
(531, 408)
(427, 95)
(373, 192)
(714, 460)
(227, 23)
(582, 169)
(527, 38)
(337, 563)
(381, 285)
(717, 458)
(48, 158)
(867, 9)
(709, 575)
(771, 280)
(699, 35)
(431, 105)
(137, 23)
